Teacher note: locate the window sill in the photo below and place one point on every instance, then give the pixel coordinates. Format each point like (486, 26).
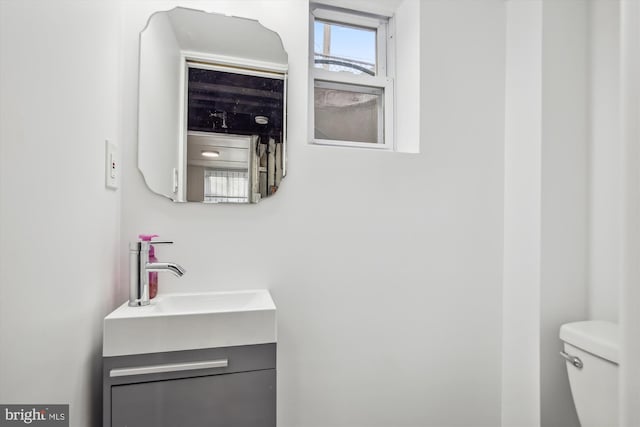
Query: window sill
(351, 144)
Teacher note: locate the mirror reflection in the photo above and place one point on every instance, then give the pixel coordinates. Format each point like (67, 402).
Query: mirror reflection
(212, 114)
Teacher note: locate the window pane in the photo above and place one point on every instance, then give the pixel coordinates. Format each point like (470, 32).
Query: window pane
(348, 113)
(339, 47)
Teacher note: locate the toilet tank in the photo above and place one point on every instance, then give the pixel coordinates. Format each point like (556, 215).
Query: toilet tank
(594, 386)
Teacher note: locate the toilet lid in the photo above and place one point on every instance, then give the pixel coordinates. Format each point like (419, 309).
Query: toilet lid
(597, 337)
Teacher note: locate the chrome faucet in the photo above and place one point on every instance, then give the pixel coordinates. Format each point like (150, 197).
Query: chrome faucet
(139, 268)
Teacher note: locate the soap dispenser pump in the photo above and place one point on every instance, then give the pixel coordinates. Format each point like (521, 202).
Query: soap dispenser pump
(153, 275)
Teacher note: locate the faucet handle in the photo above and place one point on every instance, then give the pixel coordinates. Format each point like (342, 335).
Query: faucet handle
(144, 244)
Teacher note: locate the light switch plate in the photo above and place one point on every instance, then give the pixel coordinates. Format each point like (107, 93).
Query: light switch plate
(112, 165)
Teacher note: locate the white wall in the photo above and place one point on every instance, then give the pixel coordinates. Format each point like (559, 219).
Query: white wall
(630, 291)
(59, 226)
(563, 291)
(605, 157)
(407, 77)
(386, 268)
(546, 204)
(522, 215)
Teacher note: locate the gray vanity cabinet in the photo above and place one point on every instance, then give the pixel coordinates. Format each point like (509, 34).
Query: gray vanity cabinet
(220, 387)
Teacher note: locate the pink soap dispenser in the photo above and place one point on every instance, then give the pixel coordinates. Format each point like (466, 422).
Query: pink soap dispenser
(153, 275)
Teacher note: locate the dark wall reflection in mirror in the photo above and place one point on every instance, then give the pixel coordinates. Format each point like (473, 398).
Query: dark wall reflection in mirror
(227, 102)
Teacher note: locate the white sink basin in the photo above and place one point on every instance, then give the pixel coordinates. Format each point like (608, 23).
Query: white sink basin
(188, 321)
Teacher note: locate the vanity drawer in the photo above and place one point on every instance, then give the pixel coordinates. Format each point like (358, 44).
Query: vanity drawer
(237, 383)
(246, 399)
(188, 363)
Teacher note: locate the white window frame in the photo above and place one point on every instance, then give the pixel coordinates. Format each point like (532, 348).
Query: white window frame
(383, 80)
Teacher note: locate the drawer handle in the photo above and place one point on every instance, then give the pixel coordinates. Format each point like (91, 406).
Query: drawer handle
(574, 360)
(168, 367)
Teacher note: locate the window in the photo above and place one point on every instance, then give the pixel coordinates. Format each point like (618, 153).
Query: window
(351, 78)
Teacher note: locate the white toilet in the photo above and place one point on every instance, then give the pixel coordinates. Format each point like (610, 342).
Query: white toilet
(591, 350)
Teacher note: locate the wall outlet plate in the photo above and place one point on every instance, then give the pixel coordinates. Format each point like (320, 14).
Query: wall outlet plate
(112, 165)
